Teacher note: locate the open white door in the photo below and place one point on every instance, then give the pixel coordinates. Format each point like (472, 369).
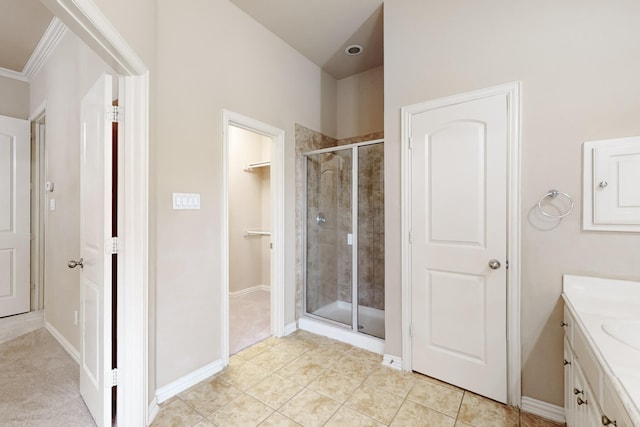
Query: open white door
(95, 247)
(15, 165)
(459, 165)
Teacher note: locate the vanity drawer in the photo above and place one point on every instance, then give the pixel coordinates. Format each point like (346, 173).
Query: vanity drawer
(612, 407)
(588, 361)
(567, 324)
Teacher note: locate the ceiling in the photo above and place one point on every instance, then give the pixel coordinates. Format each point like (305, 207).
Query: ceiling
(318, 29)
(322, 29)
(22, 24)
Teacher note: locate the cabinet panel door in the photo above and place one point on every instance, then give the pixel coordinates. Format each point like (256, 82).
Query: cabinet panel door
(615, 184)
(587, 412)
(569, 399)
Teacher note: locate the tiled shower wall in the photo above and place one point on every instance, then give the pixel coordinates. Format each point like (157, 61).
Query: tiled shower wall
(328, 256)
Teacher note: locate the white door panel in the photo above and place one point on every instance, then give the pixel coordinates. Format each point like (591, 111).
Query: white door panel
(458, 224)
(95, 230)
(15, 166)
(617, 200)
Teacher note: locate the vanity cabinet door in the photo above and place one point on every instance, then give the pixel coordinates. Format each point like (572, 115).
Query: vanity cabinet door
(612, 408)
(569, 398)
(567, 324)
(587, 413)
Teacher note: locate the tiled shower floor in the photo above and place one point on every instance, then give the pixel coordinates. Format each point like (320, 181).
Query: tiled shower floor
(309, 380)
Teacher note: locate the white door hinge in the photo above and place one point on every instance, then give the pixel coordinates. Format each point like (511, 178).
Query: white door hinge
(114, 246)
(411, 331)
(112, 378)
(410, 143)
(113, 113)
(410, 237)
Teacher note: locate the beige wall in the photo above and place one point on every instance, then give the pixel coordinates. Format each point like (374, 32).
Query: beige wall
(212, 56)
(248, 202)
(68, 74)
(579, 66)
(360, 103)
(14, 98)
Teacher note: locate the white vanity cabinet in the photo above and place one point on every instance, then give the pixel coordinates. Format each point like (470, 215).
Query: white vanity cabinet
(590, 397)
(580, 400)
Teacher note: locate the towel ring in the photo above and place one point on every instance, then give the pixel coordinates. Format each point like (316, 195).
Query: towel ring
(553, 194)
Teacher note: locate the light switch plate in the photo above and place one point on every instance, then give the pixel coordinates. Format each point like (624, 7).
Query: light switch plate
(184, 201)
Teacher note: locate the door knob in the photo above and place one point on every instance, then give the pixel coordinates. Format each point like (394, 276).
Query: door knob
(494, 264)
(74, 264)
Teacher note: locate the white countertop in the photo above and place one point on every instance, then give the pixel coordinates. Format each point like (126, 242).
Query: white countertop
(598, 301)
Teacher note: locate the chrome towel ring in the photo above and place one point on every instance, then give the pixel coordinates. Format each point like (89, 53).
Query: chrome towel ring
(553, 194)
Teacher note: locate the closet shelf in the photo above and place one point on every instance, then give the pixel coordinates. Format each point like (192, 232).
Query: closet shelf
(258, 233)
(255, 165)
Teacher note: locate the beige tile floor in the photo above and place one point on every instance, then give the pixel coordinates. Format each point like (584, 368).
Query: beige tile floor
(309, 380)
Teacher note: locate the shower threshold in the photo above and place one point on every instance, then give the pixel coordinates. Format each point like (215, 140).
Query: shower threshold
(324, 321)
(370, 320)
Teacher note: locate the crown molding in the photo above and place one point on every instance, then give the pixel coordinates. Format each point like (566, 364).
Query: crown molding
(47, 43)
(15, 75)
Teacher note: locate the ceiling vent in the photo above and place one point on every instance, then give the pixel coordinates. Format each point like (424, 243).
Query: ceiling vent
(353, 50)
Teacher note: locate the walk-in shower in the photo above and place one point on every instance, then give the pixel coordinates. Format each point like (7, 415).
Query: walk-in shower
(344, 237)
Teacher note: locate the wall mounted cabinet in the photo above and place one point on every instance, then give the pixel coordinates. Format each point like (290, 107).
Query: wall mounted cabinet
(612, 185)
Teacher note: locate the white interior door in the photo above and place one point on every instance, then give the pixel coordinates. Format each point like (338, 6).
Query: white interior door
(15, 166)
(95, 235)
(459, 244)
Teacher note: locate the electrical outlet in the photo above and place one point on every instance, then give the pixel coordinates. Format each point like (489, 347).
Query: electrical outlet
(75, 317)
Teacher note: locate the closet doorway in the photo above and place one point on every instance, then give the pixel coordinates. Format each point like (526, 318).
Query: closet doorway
(252, 290)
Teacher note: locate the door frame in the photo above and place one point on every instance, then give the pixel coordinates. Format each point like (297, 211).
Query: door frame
(88, 22)
(512, 91)
(277, 222)
(39, 209)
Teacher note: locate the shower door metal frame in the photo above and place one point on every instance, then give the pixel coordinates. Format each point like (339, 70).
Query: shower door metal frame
(354, 232)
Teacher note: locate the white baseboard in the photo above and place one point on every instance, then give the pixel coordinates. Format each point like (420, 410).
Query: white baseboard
(71, 350)
(181, 384)
(543, 409)
(290, 328)
(241, 292)
(367, 342)
(394, 362)
(152, 413)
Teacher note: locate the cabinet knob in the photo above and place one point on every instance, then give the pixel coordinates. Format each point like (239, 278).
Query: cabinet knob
(563, 324)
(576, 391)
(603, 184)
(607, 422)
(565, 362)
(581, 402)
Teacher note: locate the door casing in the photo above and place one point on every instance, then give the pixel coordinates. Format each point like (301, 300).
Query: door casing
(38, 208)
(512, 90)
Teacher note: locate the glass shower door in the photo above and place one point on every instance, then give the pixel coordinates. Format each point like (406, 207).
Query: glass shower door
(371, 240)
(329, 242)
